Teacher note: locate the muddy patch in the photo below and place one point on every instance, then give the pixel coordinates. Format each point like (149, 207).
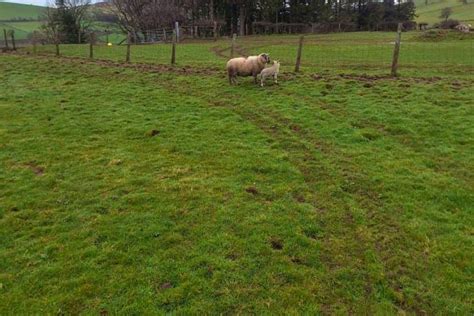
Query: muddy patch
(276, 243)
(252, 190)
(33, 166)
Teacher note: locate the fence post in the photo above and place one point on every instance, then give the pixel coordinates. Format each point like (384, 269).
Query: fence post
(127, 57)
(298, 57)
(164, 35)
(6, 38)
(173, 48)
(232, 48)
(33, 39)
(215, 30)
(56, 42)
(177, 31)
(12, 34)
(396, 50)
(91, 45)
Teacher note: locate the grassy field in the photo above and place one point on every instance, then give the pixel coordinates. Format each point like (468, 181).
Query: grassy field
(143, 190)
(430, 13)
(12, 11)
(22, 29)
(328, 53)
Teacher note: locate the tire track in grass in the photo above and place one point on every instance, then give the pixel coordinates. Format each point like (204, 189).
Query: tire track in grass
(396, 248)
(345, 246)
(379, 241)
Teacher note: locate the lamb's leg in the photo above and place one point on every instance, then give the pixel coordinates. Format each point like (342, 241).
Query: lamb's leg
(275, 76)
(262, 79)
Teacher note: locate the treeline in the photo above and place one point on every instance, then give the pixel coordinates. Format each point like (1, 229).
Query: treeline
(69, 20)
(237, 16)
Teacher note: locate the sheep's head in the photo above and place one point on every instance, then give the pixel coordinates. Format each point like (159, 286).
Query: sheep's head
(265, 58)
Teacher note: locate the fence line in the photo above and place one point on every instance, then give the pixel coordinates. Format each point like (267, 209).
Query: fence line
(321, 52)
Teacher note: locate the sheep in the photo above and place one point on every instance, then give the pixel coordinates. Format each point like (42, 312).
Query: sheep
(250, 66)
(270, 72)
(463, 28)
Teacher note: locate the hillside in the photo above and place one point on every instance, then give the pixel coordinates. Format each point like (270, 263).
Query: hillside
(15, 11)
(430, 13)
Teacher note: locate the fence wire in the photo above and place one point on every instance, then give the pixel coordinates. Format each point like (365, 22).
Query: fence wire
(369, 52)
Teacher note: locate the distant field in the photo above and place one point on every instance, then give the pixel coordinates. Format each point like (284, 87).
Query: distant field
(430, 13)
(11, 11)
(22, 29)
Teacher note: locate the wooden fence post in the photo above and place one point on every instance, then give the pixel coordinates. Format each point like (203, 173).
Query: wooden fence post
(127, 57)
(215, 30)
(164, 35)
(177, 31)
(298, 57)
(56, 43)
(173, 48)
(396, 51)
(6, 38)
(33, 41)
(91, 45)
(232, 48)
(12, 34)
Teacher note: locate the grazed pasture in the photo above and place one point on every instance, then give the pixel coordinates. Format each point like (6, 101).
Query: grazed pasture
(364, 53)
(145, 189)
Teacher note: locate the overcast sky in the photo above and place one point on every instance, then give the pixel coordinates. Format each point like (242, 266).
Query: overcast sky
(37, 2)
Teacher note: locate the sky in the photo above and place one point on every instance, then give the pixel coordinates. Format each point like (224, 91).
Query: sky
(37, 2)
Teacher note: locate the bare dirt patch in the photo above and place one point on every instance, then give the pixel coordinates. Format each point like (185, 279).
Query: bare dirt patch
(37, 170)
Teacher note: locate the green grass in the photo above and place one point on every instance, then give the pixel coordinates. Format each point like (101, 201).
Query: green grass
(332, 53)
(22, 29)
(430, 13)
(144, 192)
(12, 11)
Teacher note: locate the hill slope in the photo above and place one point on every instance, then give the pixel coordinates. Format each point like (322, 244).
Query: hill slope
(15, 11)
(430, 12)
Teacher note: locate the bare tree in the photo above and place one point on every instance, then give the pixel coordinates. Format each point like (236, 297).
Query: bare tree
(66, 20)
(446, 13)
(140, 16)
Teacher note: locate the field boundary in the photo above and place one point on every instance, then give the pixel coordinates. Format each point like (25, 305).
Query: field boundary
(211, 71)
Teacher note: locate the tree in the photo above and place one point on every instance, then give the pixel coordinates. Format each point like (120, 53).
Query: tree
(446, 13)
(66, 21)
(140, 16)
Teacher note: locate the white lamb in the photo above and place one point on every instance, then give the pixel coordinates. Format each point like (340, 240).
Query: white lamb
(270, 72)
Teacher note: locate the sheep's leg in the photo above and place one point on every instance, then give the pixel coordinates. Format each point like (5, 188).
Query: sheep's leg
(262, 79)
(275, 76)
(232, 79)
(255, 77)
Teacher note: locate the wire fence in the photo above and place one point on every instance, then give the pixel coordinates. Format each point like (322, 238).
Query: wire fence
(369, 52)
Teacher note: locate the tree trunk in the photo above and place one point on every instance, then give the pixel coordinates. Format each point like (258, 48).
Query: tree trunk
(242, 21)
(211, 10)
